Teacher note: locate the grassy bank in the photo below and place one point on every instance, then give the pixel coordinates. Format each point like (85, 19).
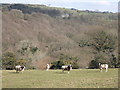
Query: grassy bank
(82, 78)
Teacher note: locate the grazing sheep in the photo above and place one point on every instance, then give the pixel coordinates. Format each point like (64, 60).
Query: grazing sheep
(103, 66)
(47, 67)
(19, 68)
(67, 68)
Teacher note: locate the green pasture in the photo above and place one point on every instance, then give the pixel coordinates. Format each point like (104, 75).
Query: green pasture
(79, 78)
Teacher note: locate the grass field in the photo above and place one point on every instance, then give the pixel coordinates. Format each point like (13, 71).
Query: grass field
(82, 78)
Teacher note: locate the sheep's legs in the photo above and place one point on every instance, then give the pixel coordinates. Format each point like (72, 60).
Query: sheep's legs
(106, 70)
(63, 71)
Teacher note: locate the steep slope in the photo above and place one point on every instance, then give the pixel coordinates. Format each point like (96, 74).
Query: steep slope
(51, 34)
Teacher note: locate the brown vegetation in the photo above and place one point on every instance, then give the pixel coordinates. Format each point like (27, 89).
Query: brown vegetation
(53, 35)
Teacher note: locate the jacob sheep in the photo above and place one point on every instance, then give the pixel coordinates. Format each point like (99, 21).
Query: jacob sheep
(103, 66)
(19, 68)
(47, 67)
(67, 68)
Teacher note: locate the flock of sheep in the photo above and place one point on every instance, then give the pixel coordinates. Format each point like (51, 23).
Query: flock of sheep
(64, 68)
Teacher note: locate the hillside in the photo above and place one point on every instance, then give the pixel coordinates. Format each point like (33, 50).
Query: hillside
(41, 34)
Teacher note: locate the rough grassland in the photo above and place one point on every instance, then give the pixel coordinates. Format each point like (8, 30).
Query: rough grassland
(82, 78)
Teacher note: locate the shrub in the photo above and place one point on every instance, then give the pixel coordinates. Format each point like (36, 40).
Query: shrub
(8, 60)
(75, 65)
(93, 64)
(33, 49)
(65, 60)
(99, 58)
(57, 64)
(21, 62)
(84, 43)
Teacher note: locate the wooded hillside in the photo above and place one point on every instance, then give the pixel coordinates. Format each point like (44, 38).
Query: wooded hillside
(35, 35)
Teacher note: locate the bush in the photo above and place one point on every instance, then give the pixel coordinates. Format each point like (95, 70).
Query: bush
(57, 65)
(21, 62)
(99, 58)
(8, 61)
(93, 64)
(65, 60)
(75, 65)
(33, 49)
(84, 43)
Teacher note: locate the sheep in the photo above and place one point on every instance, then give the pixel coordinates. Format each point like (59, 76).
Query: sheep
(67, 67)
(19, 68)
(103, 66)
(47, 67)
